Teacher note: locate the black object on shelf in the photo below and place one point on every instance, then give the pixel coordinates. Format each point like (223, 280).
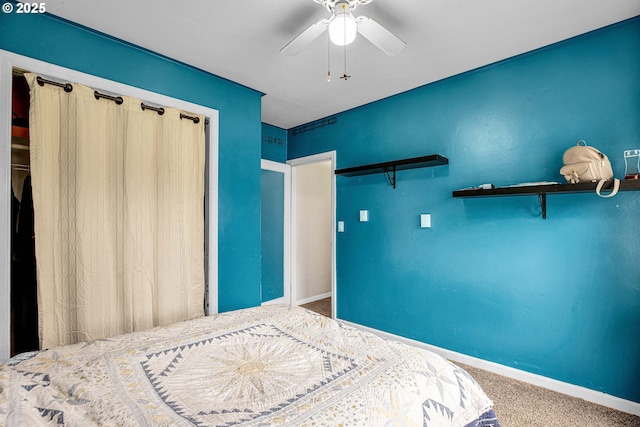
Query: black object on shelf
(390, 168)
(543, 189)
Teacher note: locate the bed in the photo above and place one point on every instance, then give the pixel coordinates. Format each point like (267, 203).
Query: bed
(264, 366)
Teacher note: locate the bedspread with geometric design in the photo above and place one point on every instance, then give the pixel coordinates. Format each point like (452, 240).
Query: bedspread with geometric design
(265, 366)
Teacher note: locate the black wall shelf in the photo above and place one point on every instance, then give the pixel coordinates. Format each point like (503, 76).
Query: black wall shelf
(390, 168)
(544, 189)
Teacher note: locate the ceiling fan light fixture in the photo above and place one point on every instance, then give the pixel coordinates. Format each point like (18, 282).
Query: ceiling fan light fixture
(343, 27)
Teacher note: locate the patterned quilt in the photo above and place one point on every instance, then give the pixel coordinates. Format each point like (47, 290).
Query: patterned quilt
(265, 366)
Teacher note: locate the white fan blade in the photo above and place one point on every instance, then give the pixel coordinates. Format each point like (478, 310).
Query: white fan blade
(382, 38)
(296, 45)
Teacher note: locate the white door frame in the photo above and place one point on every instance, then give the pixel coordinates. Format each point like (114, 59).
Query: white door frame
(9, 60)
(285, 169)
(315, 158)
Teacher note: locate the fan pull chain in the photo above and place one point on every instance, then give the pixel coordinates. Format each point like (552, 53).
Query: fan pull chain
(344, 33)
(328, 57)
(345, 76)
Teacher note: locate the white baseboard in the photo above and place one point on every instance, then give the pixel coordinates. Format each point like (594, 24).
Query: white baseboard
(281, 300)
(314, 298)
(580, 392)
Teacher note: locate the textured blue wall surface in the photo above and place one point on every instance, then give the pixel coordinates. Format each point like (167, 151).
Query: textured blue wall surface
(272, 235)
(274, 143)
(52, 40)
(558, 297)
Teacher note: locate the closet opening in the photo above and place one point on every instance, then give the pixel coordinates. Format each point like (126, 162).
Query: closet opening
(24, 304)
(22, 322)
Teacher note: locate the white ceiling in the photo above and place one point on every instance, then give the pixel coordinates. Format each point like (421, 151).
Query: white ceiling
(240, 41)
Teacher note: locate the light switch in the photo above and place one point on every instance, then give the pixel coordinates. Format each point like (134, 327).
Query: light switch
(425, 220)
(340, 226)
(364, 216)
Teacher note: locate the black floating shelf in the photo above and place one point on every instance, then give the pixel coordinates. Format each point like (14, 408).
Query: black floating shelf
(543, 189)
(390, 168)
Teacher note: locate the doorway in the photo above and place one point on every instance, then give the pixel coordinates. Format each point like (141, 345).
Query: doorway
(313, 228)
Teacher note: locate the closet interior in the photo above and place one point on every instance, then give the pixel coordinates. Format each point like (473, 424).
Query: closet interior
(24, 305)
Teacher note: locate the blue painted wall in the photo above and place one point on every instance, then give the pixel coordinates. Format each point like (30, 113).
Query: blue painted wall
(274, 148)
(274, 143)
(558, 297)
(56, 41)
(272, 235)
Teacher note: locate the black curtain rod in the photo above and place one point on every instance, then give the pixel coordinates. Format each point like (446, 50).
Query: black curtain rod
(158, 110)
(66, 86)
(117, 99)
(195, 119)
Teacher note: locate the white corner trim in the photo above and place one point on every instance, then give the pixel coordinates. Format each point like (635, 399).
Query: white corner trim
(274, 166)
(573, 390)
(5, 207)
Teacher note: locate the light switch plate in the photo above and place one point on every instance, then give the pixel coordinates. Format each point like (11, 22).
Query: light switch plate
(340, 226)
(364, 216)
(425, 220)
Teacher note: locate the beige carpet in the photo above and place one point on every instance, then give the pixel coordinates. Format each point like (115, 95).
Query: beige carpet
(520, 404)
(322, 306)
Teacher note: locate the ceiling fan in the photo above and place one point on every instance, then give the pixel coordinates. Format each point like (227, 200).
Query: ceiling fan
(343, 26)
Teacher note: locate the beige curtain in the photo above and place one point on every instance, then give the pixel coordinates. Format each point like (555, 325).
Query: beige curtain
(118, 196)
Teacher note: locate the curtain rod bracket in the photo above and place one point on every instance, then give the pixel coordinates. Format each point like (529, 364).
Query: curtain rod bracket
(117, 99)
(66, 86)
(194, 119)
(144, 107)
